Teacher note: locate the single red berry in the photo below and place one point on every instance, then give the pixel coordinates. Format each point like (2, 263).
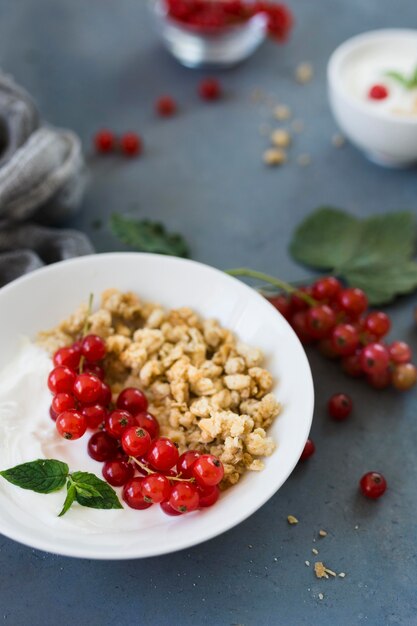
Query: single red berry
(166, 106)
(309, 450)
(102, 447)
(132, 400)
(132, 494)
(118, 421)
(95, 415)
(87, 388)
(299, 323)
(327, 288)
(71, 424)
(378, 92)
(61, 380)
(379, 380)
(94, 368)
(117, 472)
(377, 323)
(105, 394)
(351, 364)
(184, 497)
(52, 414)
(163, 454)
(208, 470)
(149, 423)
(185, 463)
(168, 510)
(131, 144)
(404, 376)
(156, 488)
(353, 302)
(93, 348)
(135, 441)
(374, 358)
(373, 485)
(280, 20)
(340, 406)
(209, 89)
(297, 303)
(63, 402)
(208, 496)
(320, 321)
(282, 304)
(104, 141)
(399, 352)
(345, 339)
(68, 356)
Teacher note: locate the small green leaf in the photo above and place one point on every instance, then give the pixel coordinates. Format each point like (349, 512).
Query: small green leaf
(382, 283)
(148, 236)
(87, 484)
(42, 476)
(69, 499)
(400, 78)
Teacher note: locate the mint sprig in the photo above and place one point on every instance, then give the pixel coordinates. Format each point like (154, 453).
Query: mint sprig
(408, 82)
(49, 475)
(374, 254)
(148, 236)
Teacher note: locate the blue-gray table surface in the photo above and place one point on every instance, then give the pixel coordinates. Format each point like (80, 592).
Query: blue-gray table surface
(99, 63)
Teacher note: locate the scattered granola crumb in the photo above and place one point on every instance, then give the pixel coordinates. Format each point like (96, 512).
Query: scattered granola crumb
(307, 563)
(304, 73)
(275, 559)
(264, 129)
(322, 533)
(304, 159)
(356, 527)
(297, 126)
(322, 571)
(315, 551)
(274, 156)
(282, 112)
(338, 140)
(280, 138)
(292, 520)
(321, 596)
(250, 545)
(342, 575)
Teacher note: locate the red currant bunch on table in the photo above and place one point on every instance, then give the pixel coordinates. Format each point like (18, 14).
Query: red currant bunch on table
(125, 436)
(338, 321)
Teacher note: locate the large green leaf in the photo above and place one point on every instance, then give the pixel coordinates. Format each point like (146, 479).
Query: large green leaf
(42, 476)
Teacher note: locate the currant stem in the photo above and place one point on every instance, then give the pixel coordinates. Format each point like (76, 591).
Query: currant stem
(141, 465)
(148, 471)
(276, 282)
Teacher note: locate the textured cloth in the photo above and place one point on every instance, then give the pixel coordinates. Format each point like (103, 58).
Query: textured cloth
(42, 178)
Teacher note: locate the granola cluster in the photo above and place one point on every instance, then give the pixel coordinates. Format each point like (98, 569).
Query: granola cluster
(208, 390)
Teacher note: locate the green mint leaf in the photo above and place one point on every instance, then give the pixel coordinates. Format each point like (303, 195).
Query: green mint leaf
(382, 283)
(42, 476)
(86, 485)
(148, 236)
(71, 491)
(400, 78)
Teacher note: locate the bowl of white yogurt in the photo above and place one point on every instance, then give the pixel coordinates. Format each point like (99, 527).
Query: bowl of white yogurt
(372, 83)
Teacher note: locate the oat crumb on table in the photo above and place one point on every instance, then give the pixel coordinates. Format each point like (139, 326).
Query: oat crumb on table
(292, 520)
(315, 551)
(307, 563)
(304, 72)
(282, 112)
(274, 156)
(322, 571)
(322, 533)
(321, 596)
(280, 138)
(207, 389)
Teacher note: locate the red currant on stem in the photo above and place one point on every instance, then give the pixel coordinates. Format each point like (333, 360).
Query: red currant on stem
(132, 494)
(281, 303)
(105, 394)
(404, 376)
(351, 365)
(208, 496)
(61, 380)
(373, 485)
(156, 488)
(132, 400)
(94, 368)
(162, 455)
(320, 321)
(62, 402)
(208, 470)
(131, 144)
(87, 388)
(186, 461)
(95, 415)
(166, 106)
(104, 141)
(118, 421)
(149, 423)
(209, 89)
(377, 323)
(135, 441)
(374, 358)
(93, 348)
(68, 356)
(327, 288)
(345, 339)
(378, 92)
(71, 424)
(340, 406)
(309, 450)
(117, 472)
(184, 497)
(299, 323)
(353, 302)
(399, 352)
(102, 447)
(168, 510)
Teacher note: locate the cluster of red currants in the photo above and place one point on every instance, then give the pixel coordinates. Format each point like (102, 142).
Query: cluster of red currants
(208, 15)
(338, 321)
(127, 435)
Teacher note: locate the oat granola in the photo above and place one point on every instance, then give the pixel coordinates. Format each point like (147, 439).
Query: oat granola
(208, 390)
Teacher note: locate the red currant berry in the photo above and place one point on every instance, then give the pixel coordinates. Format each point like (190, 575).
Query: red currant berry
(309, 450)
(87, 388)
(404, 376)
(185, 463)
(374, 358)
(104, 141)
(61, 380)
(117, 472)
(282, 304)
(379, 380)
(149, 423)
(345, 339)
(327, 288)
(93, 348)
(377, 323)
(131, 144)
(63, 402)
(351, 365)
(136, 441)
(132, 400)
(299, 323)
(378, 92)
(340, 406)
(399, 352)
(163, 454)
(168, 510)
(373, 485)
(95, 415)
(68, 356)
(52, 414)
(132, 494)
(353, 302)
(156, 488)
(320, 321)
(102, 447)
(118, 421)
(208, 496)
(208, 470)
(94, 368)
(184, 497)
(297, 303)
(71, 424)
(209, 89)
(166, 106)
(105, 394)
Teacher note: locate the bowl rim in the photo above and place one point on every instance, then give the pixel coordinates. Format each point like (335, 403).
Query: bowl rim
(68, 550)
(341, 53)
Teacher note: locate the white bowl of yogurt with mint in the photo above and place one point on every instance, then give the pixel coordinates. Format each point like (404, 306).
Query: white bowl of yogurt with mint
(372, 81)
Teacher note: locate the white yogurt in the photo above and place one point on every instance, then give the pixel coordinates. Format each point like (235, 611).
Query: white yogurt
(28, 433)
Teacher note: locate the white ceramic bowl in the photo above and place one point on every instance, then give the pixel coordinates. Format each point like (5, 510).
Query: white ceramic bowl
(41, 299)
(386, 138)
